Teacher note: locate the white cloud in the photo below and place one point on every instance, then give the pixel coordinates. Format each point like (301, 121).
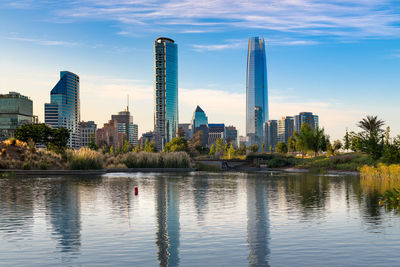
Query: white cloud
(43, 42)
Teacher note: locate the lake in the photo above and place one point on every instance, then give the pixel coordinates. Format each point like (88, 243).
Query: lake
(195, 219)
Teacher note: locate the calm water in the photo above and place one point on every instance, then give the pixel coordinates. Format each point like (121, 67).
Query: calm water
(195, 220)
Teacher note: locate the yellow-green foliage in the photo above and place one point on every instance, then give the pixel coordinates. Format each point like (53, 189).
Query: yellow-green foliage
(380, 178)
(348, 162)
(84, 159)
(157, 160)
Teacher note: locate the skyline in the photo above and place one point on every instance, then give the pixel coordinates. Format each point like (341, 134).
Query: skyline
(337, 60)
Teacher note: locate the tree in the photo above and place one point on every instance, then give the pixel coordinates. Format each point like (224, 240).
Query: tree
(212, 150)
(58, 140)
(371, 137)
(38, 133)
(111, 149)
(242, 150)
(150, 146)
(263, 147)
(291, 144)
(231, 151)
(195, 144)
(334, 147)
(226, 148)
(253, 148)
(220, 146)
(92, 144)
(391, 153)
(346, 140)
(176, 144)
(282, 148)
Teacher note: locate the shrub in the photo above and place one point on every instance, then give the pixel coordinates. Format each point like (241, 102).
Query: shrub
(157, 160)
(43, 165)
(84, 159)
(26, 166)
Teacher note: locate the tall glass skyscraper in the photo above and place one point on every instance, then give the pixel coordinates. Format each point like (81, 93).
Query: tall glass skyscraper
(256, 90)
(166, 88)
(64, 109)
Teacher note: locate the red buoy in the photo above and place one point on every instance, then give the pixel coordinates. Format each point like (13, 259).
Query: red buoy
(136, 190)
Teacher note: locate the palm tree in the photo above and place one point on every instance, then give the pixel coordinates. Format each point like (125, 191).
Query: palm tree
(371, 126)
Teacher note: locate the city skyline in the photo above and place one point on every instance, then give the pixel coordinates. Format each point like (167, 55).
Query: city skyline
(342, 63)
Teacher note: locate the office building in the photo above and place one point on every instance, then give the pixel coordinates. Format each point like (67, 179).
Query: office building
(87, 132)
(149, 137)
(256, 90)
(200, 123)
(271, 135)
(15, 110)
(166, 89)
(64, 107)
(285, 129)
(112, 134)
(231, 135)
(126, 125)
(186, 129)
(305, 117)
(215, 131)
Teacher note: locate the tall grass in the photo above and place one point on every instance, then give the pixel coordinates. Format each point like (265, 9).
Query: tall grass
(84, 159)
(380, 178)
(157, 160)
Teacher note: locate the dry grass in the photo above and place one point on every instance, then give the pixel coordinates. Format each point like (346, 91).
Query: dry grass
(380, 178)
(157, 160)
(84, 159)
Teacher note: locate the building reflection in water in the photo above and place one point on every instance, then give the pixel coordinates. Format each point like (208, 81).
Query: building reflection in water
(201, 187)
(167, 210)
(257, 222)
(63, 209)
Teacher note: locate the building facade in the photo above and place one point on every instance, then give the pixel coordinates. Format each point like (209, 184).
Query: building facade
(87, 132)
(256, 90)
(166, 89)
(306, 117)
(126, 125)
(271, 135)
(15, 110)
(200, 123)
(110, 135)
(231, 135)
(149, 137)
(186, 129)
(285, 129)
(64, 107)
(215, 131)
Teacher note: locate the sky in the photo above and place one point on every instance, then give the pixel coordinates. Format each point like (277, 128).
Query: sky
(337, 58)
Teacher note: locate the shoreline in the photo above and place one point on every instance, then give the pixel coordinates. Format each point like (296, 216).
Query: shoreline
(12, 172)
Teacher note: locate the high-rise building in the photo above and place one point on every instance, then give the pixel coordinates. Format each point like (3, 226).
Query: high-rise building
(285, 129)
(87, 131)
(305, 117)
(256, 90)
(15, 110)
(111, 135)
(231, 135)
(271, 135)
(200, 123)
(215, 131)
(64, 107)
(126, 126)
(186, 129)
(166, 88)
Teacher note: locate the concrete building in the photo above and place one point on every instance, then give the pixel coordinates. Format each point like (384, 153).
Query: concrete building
(149, 137)
(15, 110)
(285, 129)
(231, 135)
(215, 131)
(271, 135)
(87, 131)
(187, 130)
(110, 135)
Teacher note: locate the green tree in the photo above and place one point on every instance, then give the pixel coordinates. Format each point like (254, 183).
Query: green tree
(176, 144)
(282, 148)
(242, 150)
(226, 148)
(231, 151)
(126, 147)
(111, 149)
(263, 147)
(371, 137)
(38, 133)
(346, 140)
(220, 146)
(253, 148)
(291, 144)
(212, 150)
(337, 145)
(58, 140)
(195, 144)
(150, 146)
(391, 153)
(92, 144)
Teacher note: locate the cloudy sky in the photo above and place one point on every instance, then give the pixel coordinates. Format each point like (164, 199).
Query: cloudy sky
(337, 58)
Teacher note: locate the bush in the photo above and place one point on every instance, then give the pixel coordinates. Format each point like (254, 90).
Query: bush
(26, 166)
(43, 165)
(84, 159)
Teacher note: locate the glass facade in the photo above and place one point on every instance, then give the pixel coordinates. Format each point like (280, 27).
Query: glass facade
(256, 90)
(64, 109)
(271, 135)
(285, 129)
(199, 118)
(166, 88)
(15, 110)
(305, 117)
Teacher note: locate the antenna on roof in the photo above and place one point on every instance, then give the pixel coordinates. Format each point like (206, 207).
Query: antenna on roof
(127, 106)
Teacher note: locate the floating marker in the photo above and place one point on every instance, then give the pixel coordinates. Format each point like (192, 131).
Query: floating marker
(136, 190)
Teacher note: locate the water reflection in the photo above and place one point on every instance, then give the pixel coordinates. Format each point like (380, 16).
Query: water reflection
(63, 210)
(167, 212)
(257, 221)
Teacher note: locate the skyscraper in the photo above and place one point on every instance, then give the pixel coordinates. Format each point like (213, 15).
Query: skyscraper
(166, 88)
(64, 107)
(305, 117)
(285, 129)
(256, 90)
(271, 135)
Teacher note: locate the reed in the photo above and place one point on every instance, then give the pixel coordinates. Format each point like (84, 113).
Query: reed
(84, 159)
(380, 178)
(157, 160)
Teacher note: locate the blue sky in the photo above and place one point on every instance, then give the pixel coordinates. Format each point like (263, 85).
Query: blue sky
(339, 59)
